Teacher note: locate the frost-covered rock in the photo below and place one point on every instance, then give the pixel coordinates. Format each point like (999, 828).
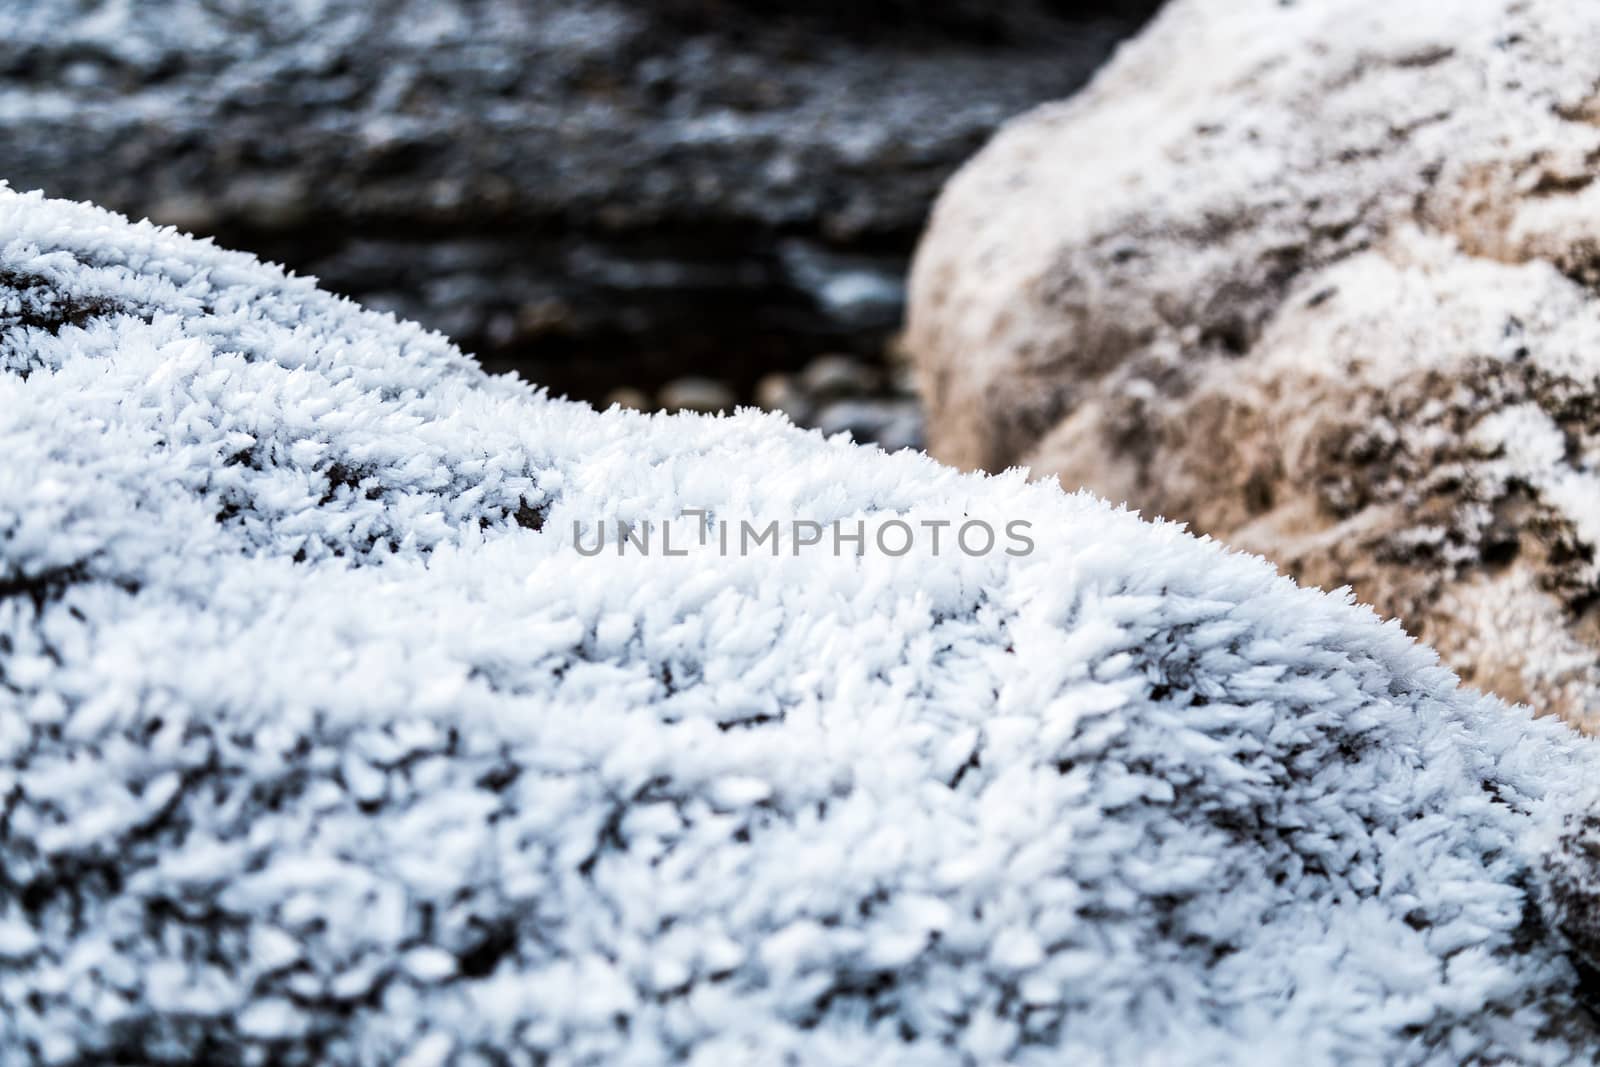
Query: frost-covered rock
(1319, 280)
(323, 741)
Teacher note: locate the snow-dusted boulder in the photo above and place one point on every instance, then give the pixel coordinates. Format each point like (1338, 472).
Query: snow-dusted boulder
(1319, 280)
(324, 739)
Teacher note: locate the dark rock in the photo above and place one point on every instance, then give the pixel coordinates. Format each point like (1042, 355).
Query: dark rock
(893, 424)
(593, 192)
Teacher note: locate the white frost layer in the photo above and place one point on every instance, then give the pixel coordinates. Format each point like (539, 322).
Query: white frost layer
(321, 743)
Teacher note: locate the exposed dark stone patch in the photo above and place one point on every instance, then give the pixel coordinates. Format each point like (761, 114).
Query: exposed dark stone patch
(51, 584)
(1572, 888)
(495, 943)
(45, 586)
(529, 517)
(748, 721)
(342, 476)
(46, 306)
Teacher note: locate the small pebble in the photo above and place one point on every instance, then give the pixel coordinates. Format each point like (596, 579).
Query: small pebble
(777, 392)
(832, 377)
(697, 394)
(892, 424)
(627, 397)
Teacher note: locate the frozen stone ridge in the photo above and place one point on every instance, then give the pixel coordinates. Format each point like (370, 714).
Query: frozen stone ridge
(322, 743)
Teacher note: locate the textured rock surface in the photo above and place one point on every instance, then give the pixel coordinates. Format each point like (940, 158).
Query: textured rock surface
(320, 742)
(1333, 303)
(598, 192)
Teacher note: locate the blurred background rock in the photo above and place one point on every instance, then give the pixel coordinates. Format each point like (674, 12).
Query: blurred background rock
(680, 203)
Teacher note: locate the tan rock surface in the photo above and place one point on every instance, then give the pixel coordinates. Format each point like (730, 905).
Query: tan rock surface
(1317, 279)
